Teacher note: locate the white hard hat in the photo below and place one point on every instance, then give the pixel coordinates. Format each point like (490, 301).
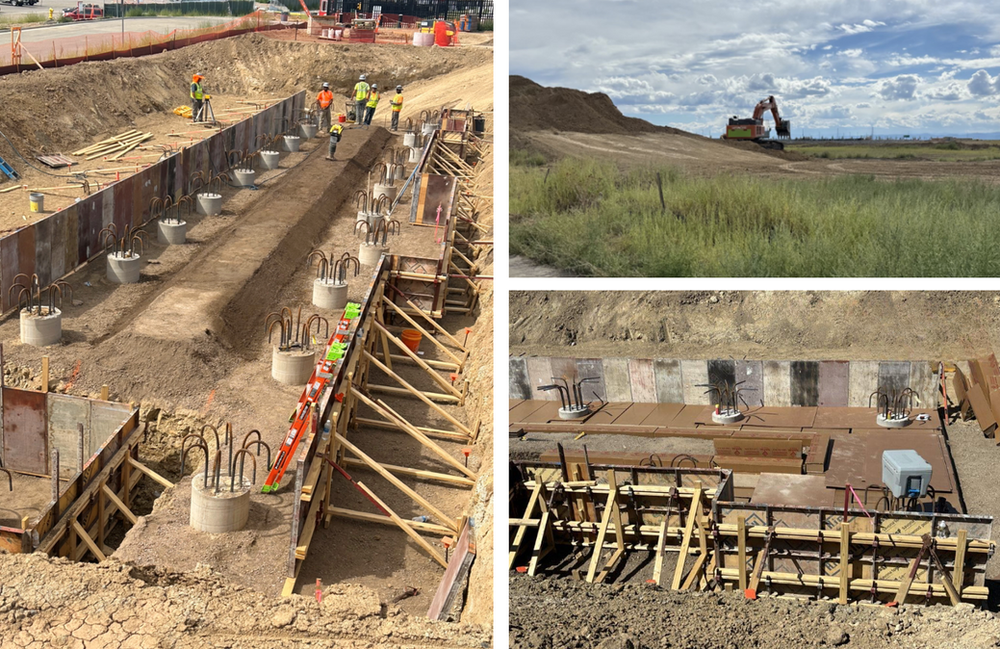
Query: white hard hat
(374, 85)
(363, 77)
(326, 85)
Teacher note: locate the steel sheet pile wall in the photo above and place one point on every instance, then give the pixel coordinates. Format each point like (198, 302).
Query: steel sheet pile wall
(59, 243)
(777, 383)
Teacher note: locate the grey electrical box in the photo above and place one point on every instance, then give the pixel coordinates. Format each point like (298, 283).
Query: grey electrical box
(905, 473)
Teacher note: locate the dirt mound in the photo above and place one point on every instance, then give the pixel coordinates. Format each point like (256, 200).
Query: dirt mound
(562, 613)
(535, 107)
(762, 325)
(51, 602)
(63, 108)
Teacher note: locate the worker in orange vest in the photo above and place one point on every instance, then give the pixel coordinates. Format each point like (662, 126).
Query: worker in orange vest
(324, 99)
(397, 106)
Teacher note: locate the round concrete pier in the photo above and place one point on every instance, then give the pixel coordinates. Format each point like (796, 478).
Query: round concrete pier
(327, 294)
(410, 139)
(308, 130)
(428, 129)
(225, 511)
(292, 367)
(574, 413)
(41, 330)
(895, 422)
(292, 143)
(415, 153)
(385, 190)
(727, 417)
(269, 159)
(369, 255)
(123, 270)
(244, 177)
(171, 233)
(209, 204)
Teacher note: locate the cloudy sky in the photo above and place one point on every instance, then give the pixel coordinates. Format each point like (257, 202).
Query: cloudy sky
(900, 66)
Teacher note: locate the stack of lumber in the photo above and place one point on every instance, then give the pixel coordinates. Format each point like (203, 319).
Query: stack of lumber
(116, 146)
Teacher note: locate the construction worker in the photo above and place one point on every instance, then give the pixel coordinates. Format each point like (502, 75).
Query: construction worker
(361, 90)
(197, 98)
(397, 106)
(373, 98)
(324, 99)
(335, 133)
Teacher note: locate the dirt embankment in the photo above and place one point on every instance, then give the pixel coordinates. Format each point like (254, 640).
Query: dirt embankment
(50, 602)
(563, 613)
(62, 109)
(820, 325)
(534, 107)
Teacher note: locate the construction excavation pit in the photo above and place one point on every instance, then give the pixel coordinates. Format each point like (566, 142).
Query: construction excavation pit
(742, 469)
(227, 399)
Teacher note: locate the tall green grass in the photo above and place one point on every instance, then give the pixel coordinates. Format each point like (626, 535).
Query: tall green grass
(945, 152)
(592, 218)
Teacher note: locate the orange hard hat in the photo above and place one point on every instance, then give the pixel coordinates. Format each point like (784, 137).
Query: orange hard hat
(196, 77)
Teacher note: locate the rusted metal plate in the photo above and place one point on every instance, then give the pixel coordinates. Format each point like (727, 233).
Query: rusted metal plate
(90, 218)
(453, 581)
(8, 269)
(123, 206)
(786, 489)
(25, 439)
(43, 251)
(435, 192)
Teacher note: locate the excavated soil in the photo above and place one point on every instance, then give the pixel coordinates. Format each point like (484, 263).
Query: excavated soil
(562, 613)
(188, 348)
(820, 325)
(48, 602)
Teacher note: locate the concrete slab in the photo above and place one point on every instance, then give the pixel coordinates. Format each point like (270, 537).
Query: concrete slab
(777, 383)
(518, 384)
(540, 373)
(804, 379)
(669, 382)
(592, 367)
(643, 380)
(693, 374)
(616, 379)
(833, 383)
(863, 380)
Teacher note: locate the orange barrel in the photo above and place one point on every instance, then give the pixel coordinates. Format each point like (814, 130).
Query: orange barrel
(411, 338)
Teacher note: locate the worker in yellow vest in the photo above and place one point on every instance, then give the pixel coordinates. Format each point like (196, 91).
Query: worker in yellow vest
(198, 98)
(336, 131)
(397, 107)
(373, 98)
(361, 90)
(324, 99)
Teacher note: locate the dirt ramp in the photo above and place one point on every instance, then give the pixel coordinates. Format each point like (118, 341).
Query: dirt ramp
(534, 107)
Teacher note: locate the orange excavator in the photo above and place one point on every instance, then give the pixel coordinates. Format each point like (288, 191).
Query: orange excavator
(753, 129)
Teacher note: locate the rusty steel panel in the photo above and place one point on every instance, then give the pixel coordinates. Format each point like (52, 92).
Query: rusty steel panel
(25, 439)
(90, 221)
(58, 245)
(8, 269)
(43, 251)
(435, 192)
(122, 215)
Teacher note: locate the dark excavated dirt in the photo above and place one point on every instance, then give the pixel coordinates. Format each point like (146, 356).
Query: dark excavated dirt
(562, 614)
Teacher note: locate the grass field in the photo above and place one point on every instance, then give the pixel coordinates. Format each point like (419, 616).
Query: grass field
(591, 218)
(943, 152)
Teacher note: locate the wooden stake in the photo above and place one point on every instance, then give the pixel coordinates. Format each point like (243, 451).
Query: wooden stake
(104, 393)
(693, 513)
(152, 474)
(515, 546)
(543, 543)
(45, 373)
(119, 504)
(415, 392)
(661, 541)
(958, 576)
(375, 466)
(845, 561)
(405, 527)
(448, 387)
(82, 533)
(742, 551)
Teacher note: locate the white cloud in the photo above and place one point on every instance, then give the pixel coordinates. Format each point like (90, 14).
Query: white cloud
(901, 88)
(982, 85)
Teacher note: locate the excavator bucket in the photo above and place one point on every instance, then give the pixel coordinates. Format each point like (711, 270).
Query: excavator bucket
(784, 128)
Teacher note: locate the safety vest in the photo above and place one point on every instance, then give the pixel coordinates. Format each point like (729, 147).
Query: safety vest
(325, 98)
(397, 103)
(373, 99)
(336, 130)
(361, 90)
(196, 91)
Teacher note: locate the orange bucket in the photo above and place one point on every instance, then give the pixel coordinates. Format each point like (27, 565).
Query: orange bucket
(411, 338)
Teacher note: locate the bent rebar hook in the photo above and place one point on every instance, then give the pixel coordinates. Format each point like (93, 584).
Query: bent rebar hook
(363, 225)
(204, 447)
(242, 454)
(343, 265)
(259, 444)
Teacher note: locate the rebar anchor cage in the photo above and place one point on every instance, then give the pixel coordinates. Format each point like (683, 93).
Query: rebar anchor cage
(571, 396)
(894, 407)
(727, 398)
